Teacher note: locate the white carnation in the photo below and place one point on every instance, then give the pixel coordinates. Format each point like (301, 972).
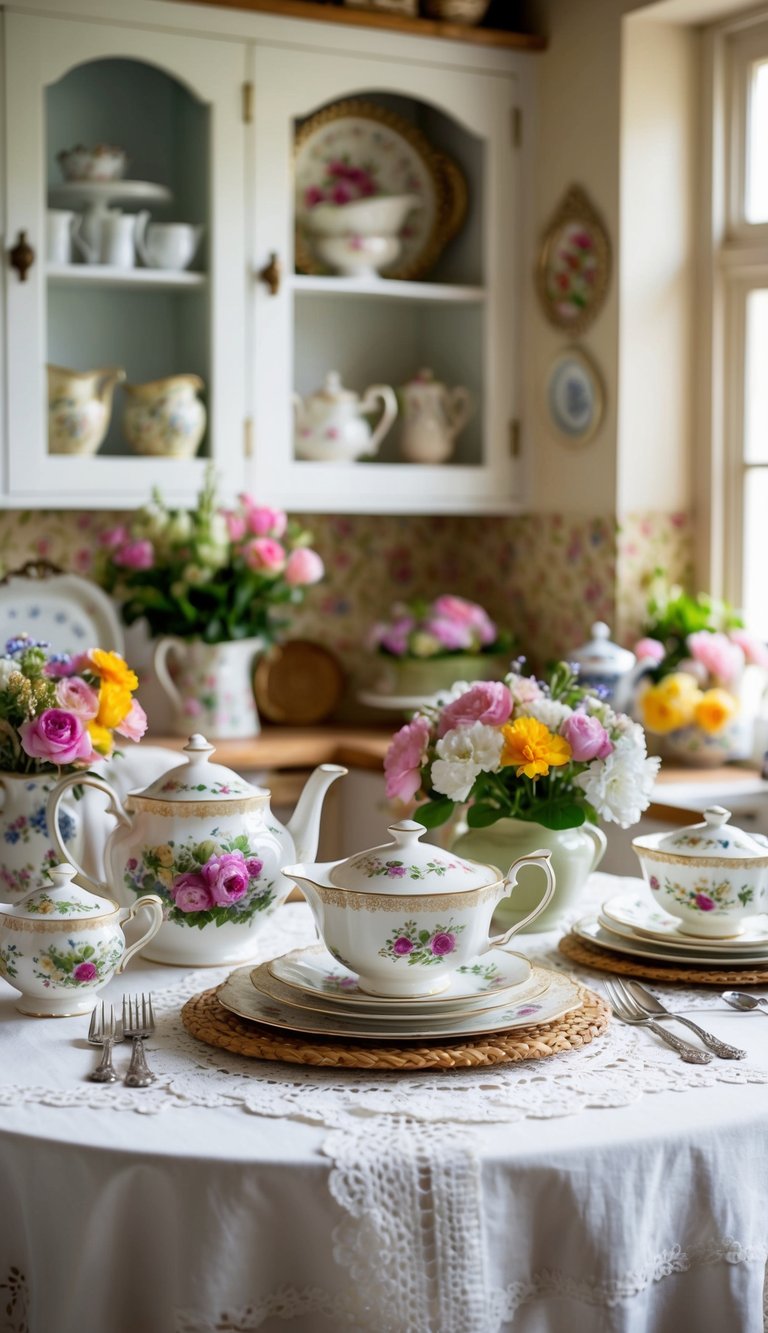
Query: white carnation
(620, 786)
(7, 668)
(550, 712)
(463, 753)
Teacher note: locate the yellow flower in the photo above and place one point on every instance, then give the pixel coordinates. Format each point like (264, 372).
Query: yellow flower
(165, 877)
(101, 738)
(714, 711)
(112, 667)
(114, 703)
(164, 855)
(670, 704)
(533, 747)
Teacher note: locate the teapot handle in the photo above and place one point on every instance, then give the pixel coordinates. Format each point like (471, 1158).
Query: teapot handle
(89, 253)
(114, 807)
(458, 409)
(160, 667)
(154, 906)
(541, 858)
(388, 415)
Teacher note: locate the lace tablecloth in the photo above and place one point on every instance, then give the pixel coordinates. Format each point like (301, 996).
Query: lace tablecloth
(610, 1188)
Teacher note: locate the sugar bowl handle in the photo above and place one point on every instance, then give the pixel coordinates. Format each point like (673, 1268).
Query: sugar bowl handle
(542, 859)
(154, 906)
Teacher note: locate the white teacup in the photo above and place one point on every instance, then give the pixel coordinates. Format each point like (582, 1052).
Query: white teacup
(170, 245)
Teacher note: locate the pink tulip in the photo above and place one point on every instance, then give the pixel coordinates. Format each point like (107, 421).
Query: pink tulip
(404, 758)
(264, 555)
(304, 566)
(488, 701)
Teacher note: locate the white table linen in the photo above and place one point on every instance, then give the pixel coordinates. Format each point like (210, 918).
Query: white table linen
(610, 1189)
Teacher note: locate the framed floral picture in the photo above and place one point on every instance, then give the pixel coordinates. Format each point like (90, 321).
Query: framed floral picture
(574, 265)
(575, 397)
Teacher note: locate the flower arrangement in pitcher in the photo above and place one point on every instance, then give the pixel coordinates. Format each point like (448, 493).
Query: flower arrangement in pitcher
(551, 752)
(63, 712)
(444, 627)
(210, 573)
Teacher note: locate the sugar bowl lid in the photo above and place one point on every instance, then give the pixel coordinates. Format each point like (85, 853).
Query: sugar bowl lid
(713, 837)
(197, 779)
(601, 656)
(61, 900)
(408, 866)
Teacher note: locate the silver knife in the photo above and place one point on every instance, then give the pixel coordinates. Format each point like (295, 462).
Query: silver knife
(651, 1005)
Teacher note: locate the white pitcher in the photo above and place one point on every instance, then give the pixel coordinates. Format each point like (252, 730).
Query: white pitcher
(170, 245)
(59, 225)
(113, 238)
(87, 231)
(432, 417)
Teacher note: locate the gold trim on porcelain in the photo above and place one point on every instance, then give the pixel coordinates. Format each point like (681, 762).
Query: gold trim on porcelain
(360, 900)
(44, 925)
(196, 809)
(701, 862)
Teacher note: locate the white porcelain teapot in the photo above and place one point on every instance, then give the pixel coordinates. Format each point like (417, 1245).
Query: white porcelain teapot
(60, 944)
(433, 415)
(331, 423)
(206, 842)
(405, 915)
(603, 664)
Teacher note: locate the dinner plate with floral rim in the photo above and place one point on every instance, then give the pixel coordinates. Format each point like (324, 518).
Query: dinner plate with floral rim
(594, 932)
(315, 971)
(649, 921)
(413, 1011)
(239, 995)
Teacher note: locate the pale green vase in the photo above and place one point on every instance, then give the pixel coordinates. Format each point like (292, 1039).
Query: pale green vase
(576, 852)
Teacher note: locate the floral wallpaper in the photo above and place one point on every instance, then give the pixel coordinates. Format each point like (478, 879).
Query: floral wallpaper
(546, 577)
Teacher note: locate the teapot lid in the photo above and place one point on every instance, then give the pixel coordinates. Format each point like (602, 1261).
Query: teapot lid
(600, 654)
(333, 390)
(712, 838)
(199, 780)
(62, 900)
(408, 866)
(425, 376)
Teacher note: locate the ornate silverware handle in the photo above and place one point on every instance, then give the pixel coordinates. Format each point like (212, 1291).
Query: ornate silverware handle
(105, 1070)
(139, 1074)
(712, 1042)
(691, 1054)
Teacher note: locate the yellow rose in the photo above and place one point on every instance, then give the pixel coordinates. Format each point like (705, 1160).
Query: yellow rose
(112, 667)
(165, 877)
(669, 705)
(164, 855)
(714, 711)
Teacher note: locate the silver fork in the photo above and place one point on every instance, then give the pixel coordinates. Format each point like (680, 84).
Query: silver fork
(649, 1004)
(138, 1027)
(628, 1012)
(101, 1032)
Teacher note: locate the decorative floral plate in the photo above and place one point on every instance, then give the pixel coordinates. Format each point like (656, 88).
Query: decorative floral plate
(646, 920)
(357, 145)
(314, 971)
(240, 996)
(371, 1006)
(64, 610)
(597, 933)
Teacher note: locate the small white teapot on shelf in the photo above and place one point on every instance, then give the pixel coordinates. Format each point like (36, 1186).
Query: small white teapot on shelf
(331, 424)
(169, 245)
(60, 944)
(433, 415)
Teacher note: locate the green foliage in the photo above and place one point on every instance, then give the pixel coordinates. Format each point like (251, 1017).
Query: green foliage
(674, 614)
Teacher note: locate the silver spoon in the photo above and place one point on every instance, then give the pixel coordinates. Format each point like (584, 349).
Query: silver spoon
(738, 999)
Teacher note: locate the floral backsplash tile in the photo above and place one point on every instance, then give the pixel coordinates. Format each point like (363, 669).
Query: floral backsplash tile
(546, 577)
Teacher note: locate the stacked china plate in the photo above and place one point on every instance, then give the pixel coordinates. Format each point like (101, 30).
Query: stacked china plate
(406, 952)
(707, 891)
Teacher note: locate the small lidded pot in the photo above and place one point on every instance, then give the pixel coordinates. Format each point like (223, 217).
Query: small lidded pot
(710, 876)
(60, 944)
(404, 916)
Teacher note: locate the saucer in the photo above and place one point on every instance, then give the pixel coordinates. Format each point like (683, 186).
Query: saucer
(241, 997)
(646, 919)
(315, 971)
(412, 1012)
(594, 932)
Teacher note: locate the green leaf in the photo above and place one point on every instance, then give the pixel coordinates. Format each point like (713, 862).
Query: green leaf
(560, 814)
(434, 813)
(480, 815)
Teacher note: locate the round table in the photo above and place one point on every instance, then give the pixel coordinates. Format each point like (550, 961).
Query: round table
(613, 1188)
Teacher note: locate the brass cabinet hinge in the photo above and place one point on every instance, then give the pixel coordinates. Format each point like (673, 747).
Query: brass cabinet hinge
(514, 437)
(517, 126)
(248, 102)
(248, 437)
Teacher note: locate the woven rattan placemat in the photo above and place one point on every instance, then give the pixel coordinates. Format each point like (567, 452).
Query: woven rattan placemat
(579, 951)
(210, 1022)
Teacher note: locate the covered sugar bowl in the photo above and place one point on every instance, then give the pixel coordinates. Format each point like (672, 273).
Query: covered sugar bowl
(60, 944)
(405, 915)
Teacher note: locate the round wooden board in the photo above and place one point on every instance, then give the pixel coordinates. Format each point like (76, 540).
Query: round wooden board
(297, 683)
(210, 1022)
(579, 951)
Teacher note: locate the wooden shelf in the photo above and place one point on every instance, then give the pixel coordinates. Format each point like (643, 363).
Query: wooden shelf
(364, 18)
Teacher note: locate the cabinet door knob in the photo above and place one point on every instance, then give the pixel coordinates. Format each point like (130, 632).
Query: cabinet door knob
(22, 256)
(272, 274)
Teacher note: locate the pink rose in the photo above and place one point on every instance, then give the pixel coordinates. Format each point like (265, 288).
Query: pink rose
(135, 555)
(453, 635)
(404, 758)
(442, 943)
(304, 566)
(650, 650)
(227, 877)
(190, 893)
(393, 637)
(263, 521)
(587, 738)
(134, 724)
(753, 649)
(264, 555)
(722, 658)
(57, 737)
(114, 537)
(236, 525)
(85, 972)
(471, 614)
(76, 695)
(488, 701)
(402, 946)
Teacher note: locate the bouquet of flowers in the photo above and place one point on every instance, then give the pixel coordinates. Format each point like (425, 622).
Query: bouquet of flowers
(444, 627)
(550, 752)
(58, 711)
(209, 573)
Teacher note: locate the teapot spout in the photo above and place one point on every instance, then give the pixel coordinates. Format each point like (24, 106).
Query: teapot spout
(304, 826)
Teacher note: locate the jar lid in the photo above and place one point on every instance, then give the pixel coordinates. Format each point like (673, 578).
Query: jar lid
(62, 900)
(713, 837)
(197, 779)
(408, 866)
(600, 654)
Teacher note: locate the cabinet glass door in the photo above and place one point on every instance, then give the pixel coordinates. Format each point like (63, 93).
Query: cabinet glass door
(125, 170)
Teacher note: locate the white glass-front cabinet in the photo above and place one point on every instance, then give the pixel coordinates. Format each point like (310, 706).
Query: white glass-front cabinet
(88, 303)
(446, 303)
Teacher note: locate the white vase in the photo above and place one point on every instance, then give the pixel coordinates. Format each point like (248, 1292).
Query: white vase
(209, 686)
(576, 852)
(26, 847)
